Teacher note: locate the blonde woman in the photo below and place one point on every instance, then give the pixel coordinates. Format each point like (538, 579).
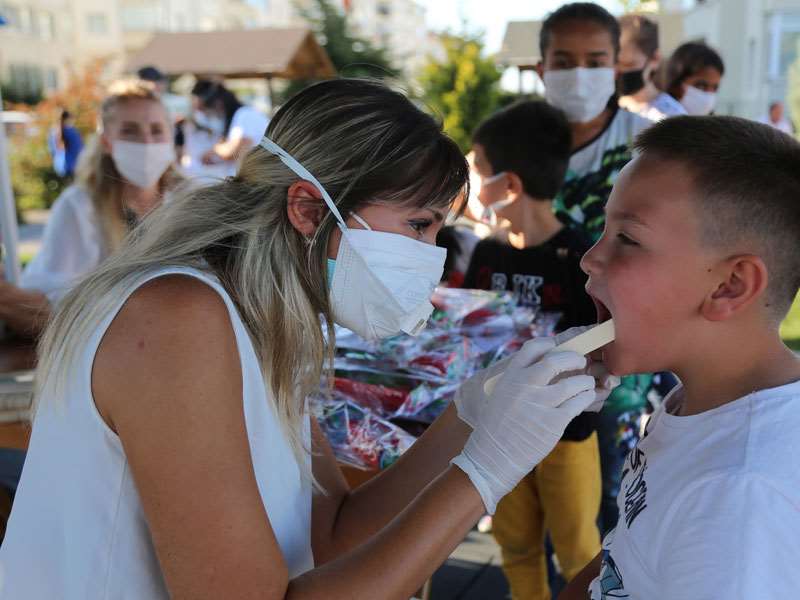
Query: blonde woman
(172, 454)
(122, 175)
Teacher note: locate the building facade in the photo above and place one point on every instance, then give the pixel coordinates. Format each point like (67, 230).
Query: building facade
(44, 40)
(759, 41)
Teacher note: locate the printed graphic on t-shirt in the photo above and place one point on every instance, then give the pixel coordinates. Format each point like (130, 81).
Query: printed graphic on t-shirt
(582, 199)
(524, 287)
(610, 583)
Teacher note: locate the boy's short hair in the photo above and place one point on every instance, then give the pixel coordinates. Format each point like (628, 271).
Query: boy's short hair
(642, 31)
(579, 11)
(532, 139)
(747, 181)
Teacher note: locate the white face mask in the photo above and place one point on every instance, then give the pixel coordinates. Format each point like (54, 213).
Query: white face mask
(697, 102)
(382, 282)
(142, 164)
(581, 93)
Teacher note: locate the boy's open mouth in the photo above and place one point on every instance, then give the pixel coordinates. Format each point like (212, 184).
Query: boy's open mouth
(603, 314)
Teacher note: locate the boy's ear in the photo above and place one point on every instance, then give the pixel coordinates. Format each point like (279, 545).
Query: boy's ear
(540, 69)
(304, 207)
(744, 281)
(515, 187)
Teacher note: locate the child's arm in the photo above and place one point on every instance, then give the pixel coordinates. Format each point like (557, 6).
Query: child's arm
(577, 589)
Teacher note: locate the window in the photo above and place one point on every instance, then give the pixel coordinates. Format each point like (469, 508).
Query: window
(25, 79)
(51, 79)
(47, 26)
(784, 41)
(97, 23)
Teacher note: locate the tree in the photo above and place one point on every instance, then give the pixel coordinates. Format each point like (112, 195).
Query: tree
(464, 88)
(630, 6)
(33, 179)
(351, 55)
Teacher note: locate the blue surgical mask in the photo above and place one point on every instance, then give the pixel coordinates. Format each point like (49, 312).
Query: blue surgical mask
(331, 269)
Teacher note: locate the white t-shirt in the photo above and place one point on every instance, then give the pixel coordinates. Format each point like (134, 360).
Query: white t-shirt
(594, 168)
(661, 107)
(72, 245)
(78, 530)
(710, 505)
(247, 123)
(782, 125)
(196, 143)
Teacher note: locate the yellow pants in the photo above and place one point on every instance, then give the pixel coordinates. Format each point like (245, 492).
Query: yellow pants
(561, 496)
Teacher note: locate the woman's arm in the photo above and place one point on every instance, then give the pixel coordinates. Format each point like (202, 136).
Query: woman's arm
(167, 379)
(25, 311)
(344, 519)
(578, 588)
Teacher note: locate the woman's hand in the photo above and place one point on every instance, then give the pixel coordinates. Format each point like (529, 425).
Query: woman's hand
(524, 417)
(471, 397)
(25, 311)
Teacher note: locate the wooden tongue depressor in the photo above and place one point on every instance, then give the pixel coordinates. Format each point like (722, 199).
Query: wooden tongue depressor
(585, 343)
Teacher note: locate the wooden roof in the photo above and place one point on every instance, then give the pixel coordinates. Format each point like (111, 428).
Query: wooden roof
(289, 53)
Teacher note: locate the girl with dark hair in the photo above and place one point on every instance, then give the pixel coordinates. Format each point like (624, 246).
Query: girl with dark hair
(693, 76)
(236, 126)
(639, 62)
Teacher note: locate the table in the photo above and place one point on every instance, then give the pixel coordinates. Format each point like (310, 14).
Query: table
(17, 360)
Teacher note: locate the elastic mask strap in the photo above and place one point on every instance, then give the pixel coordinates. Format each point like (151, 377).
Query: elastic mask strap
(361, 221)
(493, 178)
(287, 159)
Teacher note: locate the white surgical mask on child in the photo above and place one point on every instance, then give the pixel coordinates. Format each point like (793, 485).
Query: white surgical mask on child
(142, 164)
(382, 282)
(697, 102)
(581, 93)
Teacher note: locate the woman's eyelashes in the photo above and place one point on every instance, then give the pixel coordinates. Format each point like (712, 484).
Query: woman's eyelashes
(420, 226)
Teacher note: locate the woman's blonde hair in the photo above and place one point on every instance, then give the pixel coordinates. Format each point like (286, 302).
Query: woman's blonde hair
(365, 143)
(96, 171)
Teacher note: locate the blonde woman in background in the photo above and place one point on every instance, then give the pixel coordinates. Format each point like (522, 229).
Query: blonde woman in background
(123, 173)
(172, 413)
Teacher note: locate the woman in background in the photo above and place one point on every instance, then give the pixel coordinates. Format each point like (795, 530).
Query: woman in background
(123, 173)
(238, 127)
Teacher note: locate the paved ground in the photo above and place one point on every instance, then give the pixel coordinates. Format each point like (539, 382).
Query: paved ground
(472, 572)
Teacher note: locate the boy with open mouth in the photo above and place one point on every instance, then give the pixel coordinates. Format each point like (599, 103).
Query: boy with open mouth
(697, 266)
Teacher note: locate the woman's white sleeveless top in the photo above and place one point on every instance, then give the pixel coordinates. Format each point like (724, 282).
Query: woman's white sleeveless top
(77, 530)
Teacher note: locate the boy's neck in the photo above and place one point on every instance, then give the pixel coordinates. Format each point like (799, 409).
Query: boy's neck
(737, 369)
(533, 222)
(585, 132)
(641, 99)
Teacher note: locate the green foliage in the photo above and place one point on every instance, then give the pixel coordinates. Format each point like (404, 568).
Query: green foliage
(33, 179)
(464, 89)
(793, 99)
(630, 6)
(352, 56)
(790, 328)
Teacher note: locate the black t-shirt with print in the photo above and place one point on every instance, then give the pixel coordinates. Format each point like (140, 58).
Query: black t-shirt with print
(548, 276)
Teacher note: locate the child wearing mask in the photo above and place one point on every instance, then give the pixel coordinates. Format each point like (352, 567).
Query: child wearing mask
(579, 43)
(698, 267)
(123, 173)
(521, 154)
(693, 75)
(639, 60)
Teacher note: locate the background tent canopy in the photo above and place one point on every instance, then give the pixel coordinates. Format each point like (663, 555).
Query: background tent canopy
(288, 53)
